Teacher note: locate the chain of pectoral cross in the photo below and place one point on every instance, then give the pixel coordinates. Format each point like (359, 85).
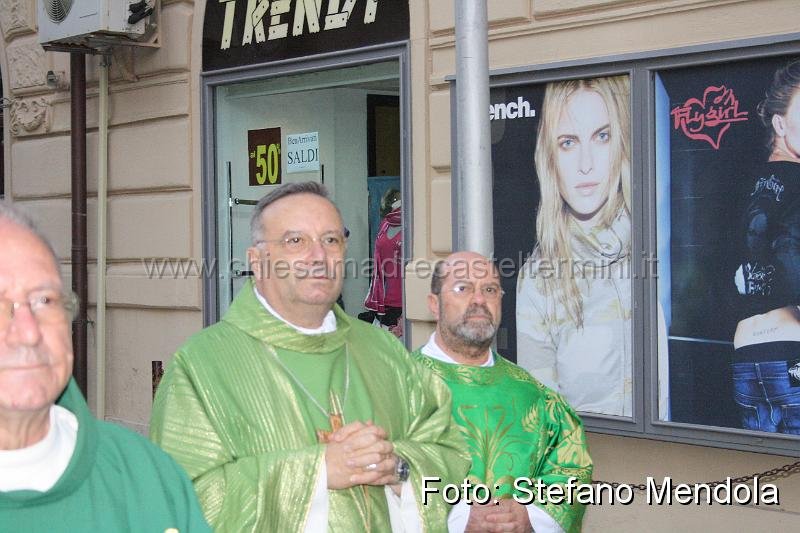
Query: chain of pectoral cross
(336, 413)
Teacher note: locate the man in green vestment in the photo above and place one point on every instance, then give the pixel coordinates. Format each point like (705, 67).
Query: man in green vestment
(61, 469)
(516, 428)
(290, 415)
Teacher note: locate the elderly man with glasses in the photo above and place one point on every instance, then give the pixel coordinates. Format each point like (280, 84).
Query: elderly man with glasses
(288, 414)
(522, 436)
(60, 469)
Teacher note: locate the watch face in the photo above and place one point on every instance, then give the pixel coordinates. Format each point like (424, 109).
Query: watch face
(402, 469)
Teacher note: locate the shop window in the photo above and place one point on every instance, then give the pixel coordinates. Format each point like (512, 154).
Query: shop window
(383, 135)
(339, 127)
(647, 229)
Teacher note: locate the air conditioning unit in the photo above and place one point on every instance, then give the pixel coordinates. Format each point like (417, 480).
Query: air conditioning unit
(95, 23)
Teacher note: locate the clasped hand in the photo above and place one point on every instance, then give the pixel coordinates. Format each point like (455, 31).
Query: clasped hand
(506, 515)
(359, 454)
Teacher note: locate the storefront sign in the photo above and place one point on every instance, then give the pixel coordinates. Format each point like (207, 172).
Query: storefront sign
(302, 152)
(264, 152)
(246, 32)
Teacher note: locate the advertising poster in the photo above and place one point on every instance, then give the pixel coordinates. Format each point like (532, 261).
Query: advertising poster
(562, 232)
(728, 232)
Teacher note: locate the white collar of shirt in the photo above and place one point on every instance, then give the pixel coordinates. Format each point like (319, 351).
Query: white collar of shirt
(328, 323)
(40, 466)
(432, 349)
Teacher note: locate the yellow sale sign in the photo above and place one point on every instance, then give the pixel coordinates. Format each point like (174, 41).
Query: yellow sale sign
(264, 151)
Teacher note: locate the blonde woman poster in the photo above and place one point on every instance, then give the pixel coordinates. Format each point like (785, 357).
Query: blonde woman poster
(573, 309)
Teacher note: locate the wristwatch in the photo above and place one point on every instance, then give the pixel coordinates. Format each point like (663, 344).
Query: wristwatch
(402, 470)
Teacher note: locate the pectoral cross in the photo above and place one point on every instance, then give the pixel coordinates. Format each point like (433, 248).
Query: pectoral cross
(336, 419)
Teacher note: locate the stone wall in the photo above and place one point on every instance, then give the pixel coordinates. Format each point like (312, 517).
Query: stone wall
(153, 184)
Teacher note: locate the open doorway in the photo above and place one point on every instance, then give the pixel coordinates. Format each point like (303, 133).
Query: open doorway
(348, 122)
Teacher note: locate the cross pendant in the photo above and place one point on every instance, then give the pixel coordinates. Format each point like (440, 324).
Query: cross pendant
(335, 417)
(336, 421)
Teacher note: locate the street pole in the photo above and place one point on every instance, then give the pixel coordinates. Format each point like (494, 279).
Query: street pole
(474, 157)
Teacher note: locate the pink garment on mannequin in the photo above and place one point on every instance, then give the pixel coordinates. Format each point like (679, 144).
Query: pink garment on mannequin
(386, 289)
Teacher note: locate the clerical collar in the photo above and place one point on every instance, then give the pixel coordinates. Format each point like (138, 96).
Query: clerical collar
(39, 466)
(432, 349)
(328, 323)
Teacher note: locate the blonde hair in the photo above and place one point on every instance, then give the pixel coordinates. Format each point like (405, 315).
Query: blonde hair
(554, 220)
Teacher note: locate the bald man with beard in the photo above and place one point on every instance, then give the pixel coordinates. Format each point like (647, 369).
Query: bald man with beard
(515, 427)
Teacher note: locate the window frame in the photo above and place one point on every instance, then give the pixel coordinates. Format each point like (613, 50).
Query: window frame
(211, 80)
(642, 67)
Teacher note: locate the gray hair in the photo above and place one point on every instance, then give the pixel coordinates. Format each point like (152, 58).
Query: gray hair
(11, 213)
(288, 189)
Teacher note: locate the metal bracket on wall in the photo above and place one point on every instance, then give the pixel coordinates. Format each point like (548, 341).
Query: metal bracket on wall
(90, 43)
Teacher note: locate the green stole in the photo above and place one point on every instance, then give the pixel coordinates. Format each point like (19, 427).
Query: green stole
(318, 362)
(516, 427)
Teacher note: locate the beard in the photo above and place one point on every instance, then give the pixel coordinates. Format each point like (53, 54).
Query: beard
(479, 333)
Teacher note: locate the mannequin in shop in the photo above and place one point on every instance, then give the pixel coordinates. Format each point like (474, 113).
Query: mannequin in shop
(384, 300)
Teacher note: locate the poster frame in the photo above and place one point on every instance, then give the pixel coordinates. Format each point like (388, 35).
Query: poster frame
(642, 68)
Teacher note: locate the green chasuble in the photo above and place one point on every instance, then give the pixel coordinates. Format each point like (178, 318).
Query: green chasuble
(229, 412)
(116, 481)
(516, 427)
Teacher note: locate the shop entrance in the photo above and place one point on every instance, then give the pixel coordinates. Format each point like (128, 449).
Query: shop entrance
(339, 127)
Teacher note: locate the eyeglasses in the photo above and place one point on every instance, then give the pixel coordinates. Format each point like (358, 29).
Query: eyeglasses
(298, 242)
(467, 290)
(47, 308)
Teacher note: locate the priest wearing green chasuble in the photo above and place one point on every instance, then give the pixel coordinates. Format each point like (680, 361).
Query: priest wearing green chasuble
(515, 427)
(288, 414)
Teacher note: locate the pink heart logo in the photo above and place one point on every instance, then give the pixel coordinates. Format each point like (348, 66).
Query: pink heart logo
(708, 119)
